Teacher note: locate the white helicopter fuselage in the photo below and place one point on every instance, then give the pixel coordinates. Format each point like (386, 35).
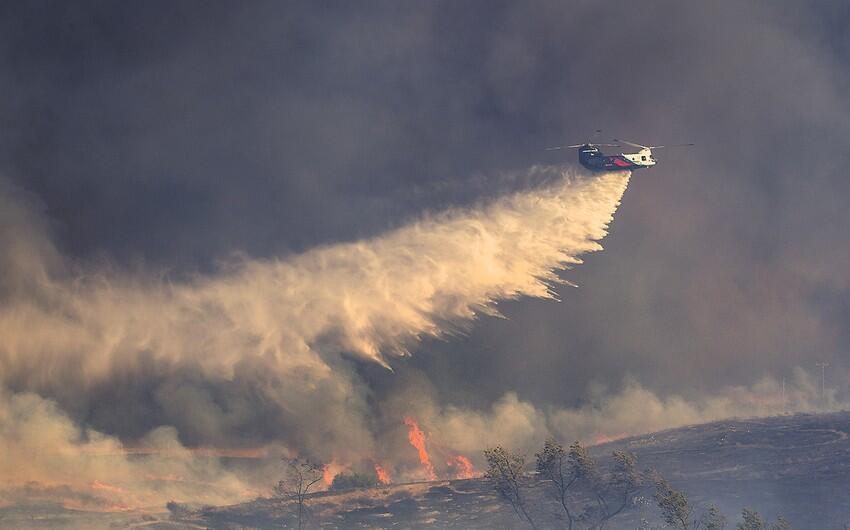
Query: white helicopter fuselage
(642, 158)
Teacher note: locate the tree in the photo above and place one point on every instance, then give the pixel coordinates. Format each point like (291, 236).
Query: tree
(781, 524)
(674, 506)
(553, 465)
(583, 467)
(612, 492)
(624, 481)
(504, 469)
(299, 477)
(712, 519)
(751, 520)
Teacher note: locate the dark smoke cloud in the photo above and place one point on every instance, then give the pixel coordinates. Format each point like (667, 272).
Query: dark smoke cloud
(259, 356)
(166, 138)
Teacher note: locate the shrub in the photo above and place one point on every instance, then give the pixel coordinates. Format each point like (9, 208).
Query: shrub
(345, 481)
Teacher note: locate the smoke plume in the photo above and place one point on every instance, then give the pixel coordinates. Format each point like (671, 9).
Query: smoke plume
(99, 363)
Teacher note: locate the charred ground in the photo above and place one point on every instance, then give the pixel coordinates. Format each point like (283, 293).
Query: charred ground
(797, 466)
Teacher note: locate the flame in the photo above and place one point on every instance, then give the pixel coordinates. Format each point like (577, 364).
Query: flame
(249, 493)
(417, 440)
(329, 471)
(383, 474)
(463, 467)
(115, 492)
(327, 475)
(604, 439)
(102, 486)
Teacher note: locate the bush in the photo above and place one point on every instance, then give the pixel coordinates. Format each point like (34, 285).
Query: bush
(345, 481)
(177, 509)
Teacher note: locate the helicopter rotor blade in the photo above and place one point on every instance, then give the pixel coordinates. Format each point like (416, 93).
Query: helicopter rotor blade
(576, 146)
(667, 146)
(630, 143)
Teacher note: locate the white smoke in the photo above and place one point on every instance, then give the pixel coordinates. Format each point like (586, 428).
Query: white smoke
(260, 343)
(368, 298)
(633, 410)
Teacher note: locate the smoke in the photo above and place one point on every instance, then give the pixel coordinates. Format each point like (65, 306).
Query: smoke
(46, 457)
(637, 410)
(264, 353)
(123, 389)
(633, 410)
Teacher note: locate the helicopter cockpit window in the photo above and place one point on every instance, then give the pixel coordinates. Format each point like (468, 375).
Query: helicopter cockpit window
(643, 158)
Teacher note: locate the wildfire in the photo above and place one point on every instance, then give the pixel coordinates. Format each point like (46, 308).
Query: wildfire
(383, 474)
(102, 486)
(463, 467)
(329, 471)
(417, 440)
(604, 439)
(114, 492)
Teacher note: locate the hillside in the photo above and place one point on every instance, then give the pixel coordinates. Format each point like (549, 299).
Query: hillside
(797, 466)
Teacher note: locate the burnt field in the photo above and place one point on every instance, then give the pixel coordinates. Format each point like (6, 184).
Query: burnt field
(797, 466)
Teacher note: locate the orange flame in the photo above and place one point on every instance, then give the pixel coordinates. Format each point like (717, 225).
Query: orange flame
(327, 475)
(102, 486)
(604, 438)
(383, 475)
(417, 440)
(463, 467)
(331, 470)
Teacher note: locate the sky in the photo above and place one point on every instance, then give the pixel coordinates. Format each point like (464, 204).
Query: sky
(201, 147)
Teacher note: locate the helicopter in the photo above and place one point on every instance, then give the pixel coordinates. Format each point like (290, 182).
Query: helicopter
(591, 156)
